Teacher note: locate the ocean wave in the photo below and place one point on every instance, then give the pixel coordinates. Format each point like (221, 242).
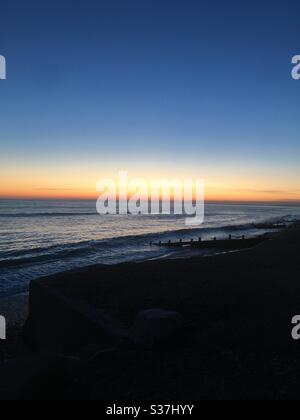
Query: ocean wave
(16, 258)
(46, 214)
(125, 238)
(76, 214)
(34, 259)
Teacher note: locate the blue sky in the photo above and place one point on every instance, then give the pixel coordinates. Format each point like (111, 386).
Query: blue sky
(195, 84)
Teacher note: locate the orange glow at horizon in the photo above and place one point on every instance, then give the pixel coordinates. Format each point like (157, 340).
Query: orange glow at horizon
(75, 185)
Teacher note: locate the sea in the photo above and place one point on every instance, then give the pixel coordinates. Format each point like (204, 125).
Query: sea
(41, 238)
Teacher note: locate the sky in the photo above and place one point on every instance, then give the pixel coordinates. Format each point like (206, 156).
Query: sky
(157, 88)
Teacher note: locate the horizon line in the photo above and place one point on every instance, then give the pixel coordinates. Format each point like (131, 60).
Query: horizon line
(209, 201)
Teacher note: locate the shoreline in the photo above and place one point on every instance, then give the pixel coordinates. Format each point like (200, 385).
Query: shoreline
(15, 306)
(119, 243)
(236, 309)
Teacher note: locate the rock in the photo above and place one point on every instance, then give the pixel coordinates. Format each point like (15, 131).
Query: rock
(155, 327)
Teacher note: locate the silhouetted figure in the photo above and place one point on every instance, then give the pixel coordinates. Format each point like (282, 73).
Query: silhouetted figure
(230, 237)
(215, 239)
(243, 237)
(169, 242)
(200, 239)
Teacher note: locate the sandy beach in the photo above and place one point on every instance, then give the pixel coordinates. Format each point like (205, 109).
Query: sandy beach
(237, 310)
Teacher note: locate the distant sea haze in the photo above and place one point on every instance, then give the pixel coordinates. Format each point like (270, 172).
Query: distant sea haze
(40, 238)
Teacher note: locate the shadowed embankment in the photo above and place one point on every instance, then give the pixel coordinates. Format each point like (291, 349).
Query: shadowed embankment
(236, 337)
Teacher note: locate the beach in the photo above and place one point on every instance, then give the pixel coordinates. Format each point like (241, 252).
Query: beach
(41, 238)
(236, 308)
(149, 202)
(15, 309)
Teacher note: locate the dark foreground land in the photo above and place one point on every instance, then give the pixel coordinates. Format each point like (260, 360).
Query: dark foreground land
(235, 341)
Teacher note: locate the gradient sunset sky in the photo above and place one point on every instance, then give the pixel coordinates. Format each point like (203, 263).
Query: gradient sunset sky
(158, 88)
